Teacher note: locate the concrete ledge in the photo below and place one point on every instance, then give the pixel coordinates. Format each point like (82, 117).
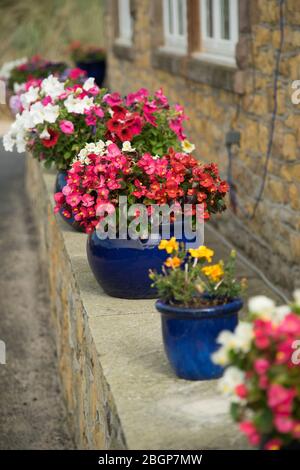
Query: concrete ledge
(119, 389)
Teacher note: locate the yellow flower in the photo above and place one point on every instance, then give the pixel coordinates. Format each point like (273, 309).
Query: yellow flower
(202, 252)
(173, 263)
(169, 245)
(187, 147)
(214, 272)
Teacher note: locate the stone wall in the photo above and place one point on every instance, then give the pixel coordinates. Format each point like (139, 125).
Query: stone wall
(91, 410)
(218, 99)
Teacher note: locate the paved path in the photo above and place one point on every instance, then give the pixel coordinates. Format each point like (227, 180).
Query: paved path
(32, 415)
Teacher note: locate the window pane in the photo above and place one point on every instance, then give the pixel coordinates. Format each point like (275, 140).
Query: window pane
(180, 17)
(225, 23)
(209, 18)
(124, 20)
(170, 13)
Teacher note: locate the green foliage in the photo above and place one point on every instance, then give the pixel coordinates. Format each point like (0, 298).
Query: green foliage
(190, 280)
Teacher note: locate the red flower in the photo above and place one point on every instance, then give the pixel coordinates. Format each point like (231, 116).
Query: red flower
(52, 141)
(124, 134)
(113, 125)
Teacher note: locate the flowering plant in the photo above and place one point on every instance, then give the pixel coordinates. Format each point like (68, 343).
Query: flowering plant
(262, 378)
(86, 53)
(190, 280)
(58, 118)
(15, 102)
(21, 71)
(103, 172)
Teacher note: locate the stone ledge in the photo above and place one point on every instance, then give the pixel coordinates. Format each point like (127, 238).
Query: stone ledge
(119, 389)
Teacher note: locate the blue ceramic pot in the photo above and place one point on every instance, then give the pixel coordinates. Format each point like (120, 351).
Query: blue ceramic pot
(190, 335)
(121, 267)
(94, 69)
(61, 181)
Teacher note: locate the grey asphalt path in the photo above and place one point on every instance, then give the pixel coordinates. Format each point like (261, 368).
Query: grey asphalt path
(32, 413)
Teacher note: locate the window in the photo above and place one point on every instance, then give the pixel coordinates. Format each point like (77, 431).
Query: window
(175, 24)
(125, 23)
(219, 29)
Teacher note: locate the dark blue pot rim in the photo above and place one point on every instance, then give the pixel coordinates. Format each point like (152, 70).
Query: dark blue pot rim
(199, 313)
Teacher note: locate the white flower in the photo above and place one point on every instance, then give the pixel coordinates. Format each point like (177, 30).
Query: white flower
(8, 142)
(19, 87)
(110, 111)
(108, 142)
(126, 147)
(231, 378)
(220, 357)
(280, 313)
(50, 113)
(226, 339)
(187, 146)
(296, 295)
(51, 86)
(29, 97)
(89, 83)
(77, 105)
(45, 134)
(7, 67)
(243, 336)
(262, 306)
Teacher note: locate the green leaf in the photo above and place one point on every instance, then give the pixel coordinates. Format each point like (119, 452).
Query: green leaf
(263, 420)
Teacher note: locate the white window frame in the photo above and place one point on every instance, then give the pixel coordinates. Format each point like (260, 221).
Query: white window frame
(125, 23)
(216, 48)
(173, 39)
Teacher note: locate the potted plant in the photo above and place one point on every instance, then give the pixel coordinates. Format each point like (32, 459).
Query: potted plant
(15, 101)
(90, 58)
(20, 71)
(197, 300)
(149, 123)
(106, 172)
(262, 377)
(56, 119)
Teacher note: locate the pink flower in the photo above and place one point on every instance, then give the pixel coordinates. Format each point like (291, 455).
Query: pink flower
(290, 325)
(98, 111)
(73, 199)
(248, 428)
(176, 126)
(90, 120)
(148, 109)
(112, 99)
(263, 382)
(283, 423)
(137, 97)
(66, 190)
(46, 100)
(67, 127)
(59, 198)
(261, 366)
(161, 98)
(241, 391)
(113, 151)
(87, 200)
(76, 73)
(280, 398)
(273, 444)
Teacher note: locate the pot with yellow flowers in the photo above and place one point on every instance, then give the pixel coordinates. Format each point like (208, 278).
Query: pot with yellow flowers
(197, 300)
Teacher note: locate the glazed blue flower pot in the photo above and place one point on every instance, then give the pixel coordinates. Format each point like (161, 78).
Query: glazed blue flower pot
(189, 337)
(121, 267)
(94, 69)
(61, 181)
